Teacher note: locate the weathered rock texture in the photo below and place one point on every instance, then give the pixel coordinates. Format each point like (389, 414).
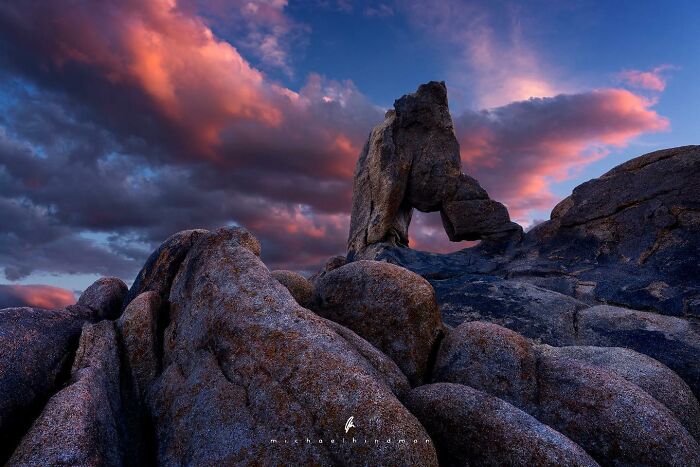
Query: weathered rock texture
(470, 427)
(245, 364)
(655, 379)
(411, 160)
(159, 271)
(491, 358)
(299, 286)
(391, 307)
(140, 335)
(641, 222)
(36, 348)
(36, 352)
(614, 420)
(82, 425)
(104, 297)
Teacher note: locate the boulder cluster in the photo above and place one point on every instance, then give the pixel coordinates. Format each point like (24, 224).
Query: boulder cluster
(576, 343)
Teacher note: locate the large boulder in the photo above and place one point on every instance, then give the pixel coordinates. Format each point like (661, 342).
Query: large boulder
(611, 418)
(389, 306)
(248, 371)
(614, 420)
(675, 342)
(488, 356)
(653, 377)
(104, 297)
(81, 424)
(411, 160)
(159, 270)
(299, 286)
(470, 427)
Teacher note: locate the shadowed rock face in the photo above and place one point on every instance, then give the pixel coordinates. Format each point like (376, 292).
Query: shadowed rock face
(473, 428)
(36, 352)
(411, 160)
(159, 271)
(655, 379)
(633, 234)
(82, 424)
(36, 348)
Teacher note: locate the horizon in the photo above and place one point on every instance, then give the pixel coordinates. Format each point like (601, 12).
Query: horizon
(122, 124)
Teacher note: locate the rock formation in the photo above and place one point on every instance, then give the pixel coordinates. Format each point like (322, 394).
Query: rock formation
(411, 160)
(574, 344)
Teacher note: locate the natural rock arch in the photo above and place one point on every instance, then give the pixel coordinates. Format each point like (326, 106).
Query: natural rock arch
(411, 160)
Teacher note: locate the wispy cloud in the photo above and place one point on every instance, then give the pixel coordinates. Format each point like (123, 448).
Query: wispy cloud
(495, 66)
(651, 80)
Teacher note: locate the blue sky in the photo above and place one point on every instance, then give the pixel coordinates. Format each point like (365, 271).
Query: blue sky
(122, 123)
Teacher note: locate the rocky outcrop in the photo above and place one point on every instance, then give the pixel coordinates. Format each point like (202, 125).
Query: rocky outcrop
(411, 160)
(392, 308)
(675, 342)
(582, 401)
(139, 329)
(635, 213)
(533, 311)
(470, 427)
(159, 271)
(104, 297)
(299, 286)
(36, 352)
(655, 379)
(245, 364)
(81, 424)
(211, 359)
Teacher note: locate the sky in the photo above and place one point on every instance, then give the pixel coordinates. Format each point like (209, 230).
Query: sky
(124, 122)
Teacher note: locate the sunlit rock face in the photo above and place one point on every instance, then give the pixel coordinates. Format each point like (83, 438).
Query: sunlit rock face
(411, 160)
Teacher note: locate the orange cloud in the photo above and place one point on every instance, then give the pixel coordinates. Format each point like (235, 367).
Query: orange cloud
(39, 296)
(200, 83)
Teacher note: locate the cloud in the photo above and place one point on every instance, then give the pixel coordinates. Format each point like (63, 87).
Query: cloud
(39, 296)
(137, 120)
(494, 62)
(652, 80)
(516, 151)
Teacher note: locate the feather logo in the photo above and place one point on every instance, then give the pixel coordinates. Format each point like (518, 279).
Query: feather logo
(349, 424)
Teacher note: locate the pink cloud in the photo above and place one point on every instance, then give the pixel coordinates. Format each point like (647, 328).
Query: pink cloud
(652, 80)
(518, 150)
(40, 296)
(232, 146)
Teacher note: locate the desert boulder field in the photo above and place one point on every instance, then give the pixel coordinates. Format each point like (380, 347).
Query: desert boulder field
(574, 343)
